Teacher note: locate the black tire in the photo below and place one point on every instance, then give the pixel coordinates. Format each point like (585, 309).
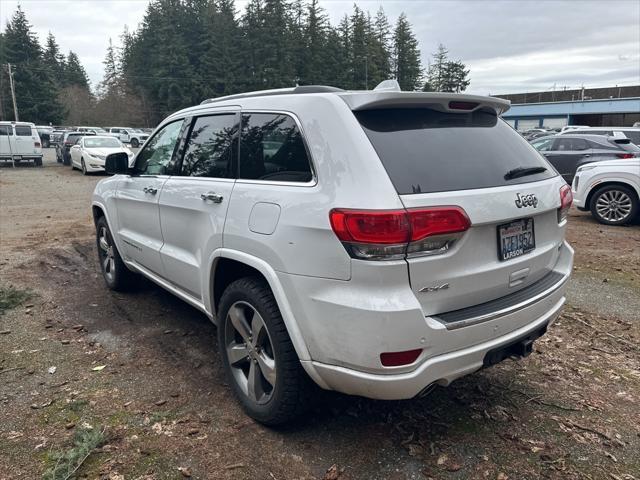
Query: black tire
(289, 397)
(135, 143)
(46, 144)
(58, 157)
(614, 205)
(66, 160)
(116, 275)
(84, 167)
(38, 162)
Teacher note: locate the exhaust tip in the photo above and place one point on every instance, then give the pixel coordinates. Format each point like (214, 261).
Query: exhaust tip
(427, 390)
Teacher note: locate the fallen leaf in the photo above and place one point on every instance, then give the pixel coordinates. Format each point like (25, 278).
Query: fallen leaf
(185, 471)
(442, 459)
(98, 368)
(52, 370)
(332, 473)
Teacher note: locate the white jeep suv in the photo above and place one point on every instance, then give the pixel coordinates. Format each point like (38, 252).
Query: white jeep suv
(379, 243)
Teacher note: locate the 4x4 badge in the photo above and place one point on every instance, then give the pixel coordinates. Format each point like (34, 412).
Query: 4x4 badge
(436, 288)
(529, 200)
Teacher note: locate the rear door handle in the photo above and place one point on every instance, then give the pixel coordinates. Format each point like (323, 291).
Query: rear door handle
(150, 190)
(586, 155)
(212, 197)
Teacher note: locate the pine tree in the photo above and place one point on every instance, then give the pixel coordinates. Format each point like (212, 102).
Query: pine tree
(314, 55)
(359, 51)
(36, 90)
(379, 48)
(54, 60)
(445, 75)
(74, 72)
(406, 55)
(111, 82)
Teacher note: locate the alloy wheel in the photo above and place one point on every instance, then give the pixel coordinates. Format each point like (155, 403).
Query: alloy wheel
(106, 252)
(250, 352)
(614, 205)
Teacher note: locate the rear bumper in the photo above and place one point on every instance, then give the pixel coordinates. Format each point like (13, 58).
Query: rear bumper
(345, 340)
(439, 370)
(9, 158)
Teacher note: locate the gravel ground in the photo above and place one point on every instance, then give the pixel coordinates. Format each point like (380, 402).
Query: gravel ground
(570, 410)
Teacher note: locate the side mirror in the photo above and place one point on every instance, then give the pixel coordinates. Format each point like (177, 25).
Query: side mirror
(117, 163)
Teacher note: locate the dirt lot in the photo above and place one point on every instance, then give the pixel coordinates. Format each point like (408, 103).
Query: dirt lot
(570, 410)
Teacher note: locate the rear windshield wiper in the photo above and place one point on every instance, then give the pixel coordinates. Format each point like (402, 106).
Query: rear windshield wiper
(523, 172)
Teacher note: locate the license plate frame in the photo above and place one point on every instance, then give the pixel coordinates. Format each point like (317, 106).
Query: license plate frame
(522, 246)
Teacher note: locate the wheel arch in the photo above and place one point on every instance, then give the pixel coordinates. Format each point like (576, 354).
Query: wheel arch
(611, 183)
(228, 265)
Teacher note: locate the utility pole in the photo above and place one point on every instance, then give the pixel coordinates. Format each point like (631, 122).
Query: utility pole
(13, 94)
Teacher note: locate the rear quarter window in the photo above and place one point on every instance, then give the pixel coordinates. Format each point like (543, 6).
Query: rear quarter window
(23, 130)
(426, 151)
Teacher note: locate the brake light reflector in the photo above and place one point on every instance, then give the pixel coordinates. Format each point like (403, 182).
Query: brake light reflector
(395, 359)
(624, 155)
(566, 199)
(462, 105)
(394, 234)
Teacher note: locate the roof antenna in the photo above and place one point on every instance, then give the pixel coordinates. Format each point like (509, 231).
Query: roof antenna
(388, 86)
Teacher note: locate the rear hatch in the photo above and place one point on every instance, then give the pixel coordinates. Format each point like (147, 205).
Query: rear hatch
(463, 155)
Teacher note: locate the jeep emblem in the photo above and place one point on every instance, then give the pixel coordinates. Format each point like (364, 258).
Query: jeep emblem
(526, 200)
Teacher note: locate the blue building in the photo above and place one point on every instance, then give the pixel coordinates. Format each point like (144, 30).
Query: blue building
(619, 107)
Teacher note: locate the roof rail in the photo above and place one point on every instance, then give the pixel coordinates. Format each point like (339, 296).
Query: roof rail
(279, 91)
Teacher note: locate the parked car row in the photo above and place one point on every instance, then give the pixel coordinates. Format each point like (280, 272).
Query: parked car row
(132, 136)
(87, 151)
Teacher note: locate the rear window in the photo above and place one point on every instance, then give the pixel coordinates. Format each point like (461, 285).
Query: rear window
(428, 151)
(4, 130)
(23, 130)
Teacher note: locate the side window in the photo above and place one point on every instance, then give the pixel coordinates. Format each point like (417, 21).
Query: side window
(4, 130)
(580, 144)
(564, 144)
(156, 155)
(211, 147)
(543, 145)
(271, 148)
(23, 130)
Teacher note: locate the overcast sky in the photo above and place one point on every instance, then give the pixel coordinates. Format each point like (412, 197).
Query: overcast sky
(509, 45)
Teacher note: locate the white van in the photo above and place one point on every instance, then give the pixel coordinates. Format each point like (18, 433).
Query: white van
(19, 141)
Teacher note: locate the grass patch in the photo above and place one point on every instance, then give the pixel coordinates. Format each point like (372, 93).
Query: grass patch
(66, 463)
(11, 297)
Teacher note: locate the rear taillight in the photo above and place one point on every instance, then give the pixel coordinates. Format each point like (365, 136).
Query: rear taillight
(37, 144)
(566, 198)
(396, 234)
(624, 155)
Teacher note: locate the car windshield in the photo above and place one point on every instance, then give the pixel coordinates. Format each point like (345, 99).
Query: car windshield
(101, 142)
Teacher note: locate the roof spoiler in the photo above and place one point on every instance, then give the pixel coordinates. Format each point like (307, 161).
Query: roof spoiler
(444, 102)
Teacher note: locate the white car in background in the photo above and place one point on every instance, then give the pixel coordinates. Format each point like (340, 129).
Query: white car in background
(19, 141)
(89, 153)
(133, 136)
(610, 189)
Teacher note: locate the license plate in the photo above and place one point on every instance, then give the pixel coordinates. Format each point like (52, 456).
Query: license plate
(515, 238)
